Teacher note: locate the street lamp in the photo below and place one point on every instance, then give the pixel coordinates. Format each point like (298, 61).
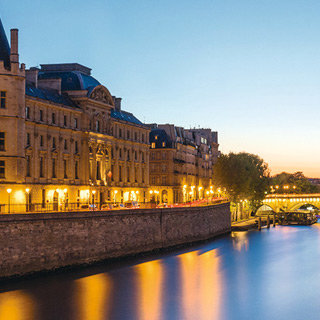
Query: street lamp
(28, 199)
(9, 191)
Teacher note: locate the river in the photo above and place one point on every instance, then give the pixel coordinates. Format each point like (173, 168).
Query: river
(272, 274)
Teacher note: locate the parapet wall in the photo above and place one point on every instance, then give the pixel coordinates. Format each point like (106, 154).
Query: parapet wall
(37, 242)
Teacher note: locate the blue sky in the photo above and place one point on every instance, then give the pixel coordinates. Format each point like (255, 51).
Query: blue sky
(246, 68)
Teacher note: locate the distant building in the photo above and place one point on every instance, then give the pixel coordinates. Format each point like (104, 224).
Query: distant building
(181, 162)
(64, 140)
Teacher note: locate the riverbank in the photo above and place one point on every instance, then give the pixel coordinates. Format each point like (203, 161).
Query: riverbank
(43, 242)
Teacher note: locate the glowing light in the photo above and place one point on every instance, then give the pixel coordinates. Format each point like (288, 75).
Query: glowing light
(9, 190)
(137, 192)
(94, 191)
(115, 191)
(65, 190)
(151, 192)
(27, 190)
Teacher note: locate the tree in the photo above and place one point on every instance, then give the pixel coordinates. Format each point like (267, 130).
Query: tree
(243, 175)
(292, 183)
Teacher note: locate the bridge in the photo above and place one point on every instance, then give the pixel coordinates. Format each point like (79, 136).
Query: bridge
(290, 202)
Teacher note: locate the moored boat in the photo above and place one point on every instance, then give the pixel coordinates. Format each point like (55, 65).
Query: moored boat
(297, 218)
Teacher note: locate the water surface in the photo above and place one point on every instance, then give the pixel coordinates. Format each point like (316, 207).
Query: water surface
(272, 274)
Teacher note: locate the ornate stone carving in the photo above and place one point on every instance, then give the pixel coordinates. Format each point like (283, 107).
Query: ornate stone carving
(101, 95)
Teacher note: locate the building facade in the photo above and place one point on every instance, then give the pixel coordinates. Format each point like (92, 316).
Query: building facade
(64, 139)
(181, 163)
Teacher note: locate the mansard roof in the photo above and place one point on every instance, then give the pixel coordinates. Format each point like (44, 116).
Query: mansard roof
(4, 47)
(49, 95)
(125, 116)
(71, 80)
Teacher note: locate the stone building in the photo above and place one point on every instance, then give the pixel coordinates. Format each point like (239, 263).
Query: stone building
(64, 139)
(181, 163)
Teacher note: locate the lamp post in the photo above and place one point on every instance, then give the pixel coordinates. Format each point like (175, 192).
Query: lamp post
(9, 191)
(28, 199)
(93, 194)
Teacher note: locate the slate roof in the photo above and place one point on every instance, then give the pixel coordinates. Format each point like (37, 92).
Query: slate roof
(71, 80)
(49, 95)
(4, 47)
(125, 116)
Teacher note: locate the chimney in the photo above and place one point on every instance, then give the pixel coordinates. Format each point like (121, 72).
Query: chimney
(14, 56)
(117, 103)
(32, 76)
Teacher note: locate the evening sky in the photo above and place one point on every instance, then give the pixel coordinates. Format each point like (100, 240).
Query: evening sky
(248, 69)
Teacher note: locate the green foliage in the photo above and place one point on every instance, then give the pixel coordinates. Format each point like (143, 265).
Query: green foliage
(243, 175)
(292, 183)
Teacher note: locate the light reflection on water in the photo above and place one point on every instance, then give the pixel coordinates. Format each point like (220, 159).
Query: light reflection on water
(272, 274)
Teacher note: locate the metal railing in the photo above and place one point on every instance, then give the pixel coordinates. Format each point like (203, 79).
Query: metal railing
(106, 206)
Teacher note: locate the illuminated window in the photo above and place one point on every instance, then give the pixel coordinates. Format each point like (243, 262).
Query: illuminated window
(163, 144)
(153, 145)
(156, 137)
(2, 169)
(2, 141)
(3, 97)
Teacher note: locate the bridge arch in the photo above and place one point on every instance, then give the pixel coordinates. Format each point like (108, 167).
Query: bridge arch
(303, 204)
(265, 208)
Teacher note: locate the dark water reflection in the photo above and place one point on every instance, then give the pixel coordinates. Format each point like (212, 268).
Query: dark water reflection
(272, 274)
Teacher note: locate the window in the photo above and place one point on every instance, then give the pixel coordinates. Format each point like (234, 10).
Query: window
(65, 144)
(54, 168)
(41, 115)
(128, 134)
(41, 141)
(76, 149)
(120, 133)
(135, 156)
(112, 172)
(65, 120)
(128, 155)
(143, 137)
(153, 145)
(163, 144)
(98, 170)
(41, 167)
(142, 156)
(156, 137)
(76, 123)
(53, 118)
(164, 168)
(3, 96)
(164, 155)
(28, 139)
(53, 142)
(65, 175)
(2, 141)
(120, 153)
(27, 112)
(76, 170)
(28, 166)
(98, 126)
(2, 169)
(135, 136)
(142, 174)
(153, 156)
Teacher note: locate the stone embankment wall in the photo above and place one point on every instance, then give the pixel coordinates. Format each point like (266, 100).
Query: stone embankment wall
(38, 242)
